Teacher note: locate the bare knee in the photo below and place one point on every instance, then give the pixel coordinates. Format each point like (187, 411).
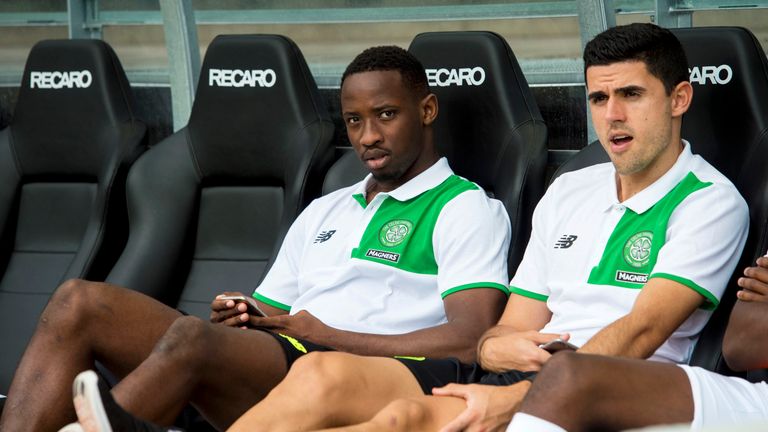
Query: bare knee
(569, 375)
(188, 338)
(321, 377)
(71, 307)
(402, 415)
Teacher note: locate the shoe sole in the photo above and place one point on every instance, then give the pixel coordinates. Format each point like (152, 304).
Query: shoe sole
(86, 384)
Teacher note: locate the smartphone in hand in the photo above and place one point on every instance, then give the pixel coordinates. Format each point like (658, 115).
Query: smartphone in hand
(253, 307)
(558, 345)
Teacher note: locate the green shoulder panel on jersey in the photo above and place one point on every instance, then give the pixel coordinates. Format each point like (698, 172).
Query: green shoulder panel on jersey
(633, 247)
(400, 233)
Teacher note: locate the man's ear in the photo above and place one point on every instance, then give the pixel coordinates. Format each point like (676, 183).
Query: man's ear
(429, 109)
(682, 96)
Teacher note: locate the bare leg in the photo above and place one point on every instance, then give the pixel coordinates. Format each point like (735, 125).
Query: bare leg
(222, 370)
(424, 413)
(582, 392)
(330, 389)
(82, 322)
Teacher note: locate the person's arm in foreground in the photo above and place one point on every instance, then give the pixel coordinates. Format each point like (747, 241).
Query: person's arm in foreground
(745, 345)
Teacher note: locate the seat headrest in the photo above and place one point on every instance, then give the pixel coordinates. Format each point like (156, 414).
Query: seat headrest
(482, 94)
(255, 92)
(74, 99)
(729, 113)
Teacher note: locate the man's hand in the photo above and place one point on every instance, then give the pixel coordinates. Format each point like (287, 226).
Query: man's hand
(489, 408)
(509, 349)
(229, 312)
(755, 283)
(302, 325)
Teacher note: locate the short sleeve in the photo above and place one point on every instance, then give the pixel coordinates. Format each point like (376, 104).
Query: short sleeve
(280, 287)
(471, 244)
(705, 237)
(530, 279)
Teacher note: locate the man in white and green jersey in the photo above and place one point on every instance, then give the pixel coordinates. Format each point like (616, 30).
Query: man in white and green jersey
(385, 266)
(623, 257)
(412, 261)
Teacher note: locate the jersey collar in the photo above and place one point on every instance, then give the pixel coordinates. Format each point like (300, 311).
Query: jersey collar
(649, 196)
(428, 179)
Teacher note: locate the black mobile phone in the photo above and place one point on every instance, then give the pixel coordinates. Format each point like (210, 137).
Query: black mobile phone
(558, 345)
(253, 307)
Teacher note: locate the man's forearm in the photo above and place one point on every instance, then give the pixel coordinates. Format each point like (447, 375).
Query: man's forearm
(446, 340)
(745, 345)
(626, 337)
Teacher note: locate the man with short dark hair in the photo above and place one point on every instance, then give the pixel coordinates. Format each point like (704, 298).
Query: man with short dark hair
(410, 261)
(613, 266)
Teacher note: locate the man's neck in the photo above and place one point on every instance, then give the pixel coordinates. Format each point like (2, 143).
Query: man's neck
(374, 186)
(629, 185)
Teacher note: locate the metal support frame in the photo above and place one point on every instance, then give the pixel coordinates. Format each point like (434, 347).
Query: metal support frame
(673, 13)
(82, 18)
(183, 57)
(595, 16)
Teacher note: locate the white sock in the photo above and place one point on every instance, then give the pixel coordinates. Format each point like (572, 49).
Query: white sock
(523, 422)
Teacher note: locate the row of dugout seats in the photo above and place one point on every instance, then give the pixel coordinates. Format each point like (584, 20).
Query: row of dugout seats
(205, 209)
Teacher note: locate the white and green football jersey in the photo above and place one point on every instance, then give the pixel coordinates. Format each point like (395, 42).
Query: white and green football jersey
(590, 255)
(384, 267)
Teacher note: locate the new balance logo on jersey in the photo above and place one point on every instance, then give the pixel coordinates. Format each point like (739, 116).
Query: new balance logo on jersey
(566, 241)
(324, 236)
(624, 276)
(389, 256)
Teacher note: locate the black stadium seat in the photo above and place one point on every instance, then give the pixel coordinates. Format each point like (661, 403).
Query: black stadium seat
(63, 160)
(489, 126)
(210, 204)
(728, 125)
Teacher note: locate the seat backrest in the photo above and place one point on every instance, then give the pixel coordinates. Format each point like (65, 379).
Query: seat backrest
(210, 204)
(727, 124)
(489, 126)
(63, 159)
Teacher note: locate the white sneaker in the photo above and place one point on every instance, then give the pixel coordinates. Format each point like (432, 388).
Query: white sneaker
(88, 404)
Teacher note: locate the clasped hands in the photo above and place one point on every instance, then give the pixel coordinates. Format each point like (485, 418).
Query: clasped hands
(490, 408)
(301, 325)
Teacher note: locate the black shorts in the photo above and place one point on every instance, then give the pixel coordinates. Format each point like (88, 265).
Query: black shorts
(294, 348)
(431, 373)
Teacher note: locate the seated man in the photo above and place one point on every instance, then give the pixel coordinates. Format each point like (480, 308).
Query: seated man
(613, 265)
(602, 393)
(410, 261)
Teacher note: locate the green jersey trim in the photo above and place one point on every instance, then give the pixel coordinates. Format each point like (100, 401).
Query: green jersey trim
(710, 303)
(400, 233)
(494, 285)
(271, 302)
(633, 247)
(529, 294)
(360, 199)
